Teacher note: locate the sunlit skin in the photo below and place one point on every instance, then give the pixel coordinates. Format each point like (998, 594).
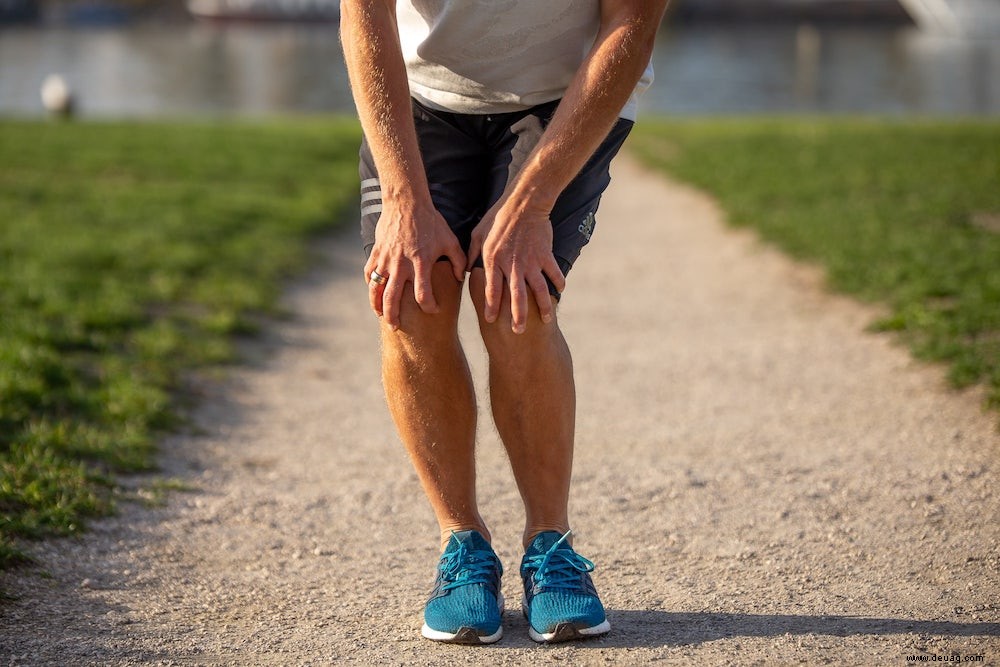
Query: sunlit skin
(424, 369)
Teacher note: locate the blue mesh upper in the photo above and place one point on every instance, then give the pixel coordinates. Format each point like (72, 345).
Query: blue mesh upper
(557, 585)
(467, 585)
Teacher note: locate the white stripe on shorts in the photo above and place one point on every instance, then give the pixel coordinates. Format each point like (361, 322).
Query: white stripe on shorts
(371, 208)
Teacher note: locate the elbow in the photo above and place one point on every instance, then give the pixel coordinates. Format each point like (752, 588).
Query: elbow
(636, 30)
(633, 44)
(642, 36)
(644, 44)
(633, 38)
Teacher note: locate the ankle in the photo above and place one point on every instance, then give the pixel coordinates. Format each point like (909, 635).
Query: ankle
(480, 528)
(532, 531)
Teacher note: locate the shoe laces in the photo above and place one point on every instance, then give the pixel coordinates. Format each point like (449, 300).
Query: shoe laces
(465, 566)
(559, 568)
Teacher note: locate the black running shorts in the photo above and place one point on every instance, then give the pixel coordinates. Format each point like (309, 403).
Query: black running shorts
(470, 158)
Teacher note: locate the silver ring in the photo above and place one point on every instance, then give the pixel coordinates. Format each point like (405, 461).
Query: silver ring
(378, 278)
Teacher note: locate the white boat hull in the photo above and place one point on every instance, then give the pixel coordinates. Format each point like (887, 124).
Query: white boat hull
(976, 18)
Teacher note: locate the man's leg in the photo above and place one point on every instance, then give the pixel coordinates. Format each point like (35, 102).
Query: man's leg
(534, 407)
(430, 395)
(431, 398)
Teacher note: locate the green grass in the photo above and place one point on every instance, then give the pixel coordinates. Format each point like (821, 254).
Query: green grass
(131, 253)
(901, 213)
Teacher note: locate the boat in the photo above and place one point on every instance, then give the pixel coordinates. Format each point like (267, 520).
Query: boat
(266, 10)
(971, 18)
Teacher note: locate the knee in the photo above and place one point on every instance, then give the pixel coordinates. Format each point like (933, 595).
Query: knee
(426, 331)
(498, 336)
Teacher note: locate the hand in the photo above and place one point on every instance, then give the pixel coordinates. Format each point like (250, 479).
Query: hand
(408, 241)
(516, 245)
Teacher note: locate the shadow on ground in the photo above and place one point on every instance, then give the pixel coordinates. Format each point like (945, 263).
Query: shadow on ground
(632, 628)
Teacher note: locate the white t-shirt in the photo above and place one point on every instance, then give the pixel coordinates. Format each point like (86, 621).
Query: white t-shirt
(494, 56)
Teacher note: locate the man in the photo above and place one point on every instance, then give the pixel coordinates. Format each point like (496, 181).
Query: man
(489, 128)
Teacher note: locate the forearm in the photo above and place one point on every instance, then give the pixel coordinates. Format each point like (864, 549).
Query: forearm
(589, 108)
(381, 93)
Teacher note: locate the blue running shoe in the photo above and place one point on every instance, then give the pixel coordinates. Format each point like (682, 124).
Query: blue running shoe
(466, 605)
(560, 601)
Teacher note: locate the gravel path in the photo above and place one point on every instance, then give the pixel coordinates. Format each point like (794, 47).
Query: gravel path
(757, 479)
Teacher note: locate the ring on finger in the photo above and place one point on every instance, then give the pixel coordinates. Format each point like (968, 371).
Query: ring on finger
(377, 278)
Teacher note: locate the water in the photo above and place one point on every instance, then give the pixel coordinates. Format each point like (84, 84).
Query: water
(728, 69)
(183, 69)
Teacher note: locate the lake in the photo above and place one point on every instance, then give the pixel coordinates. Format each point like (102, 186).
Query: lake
(182, 69)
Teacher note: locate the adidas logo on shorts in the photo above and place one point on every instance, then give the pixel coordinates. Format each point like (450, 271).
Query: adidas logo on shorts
(587, 226)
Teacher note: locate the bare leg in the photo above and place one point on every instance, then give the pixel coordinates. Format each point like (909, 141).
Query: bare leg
(432, 401)
(534, 407)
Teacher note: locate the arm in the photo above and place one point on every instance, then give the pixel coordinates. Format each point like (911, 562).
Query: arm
(411, 234)
(516, 237)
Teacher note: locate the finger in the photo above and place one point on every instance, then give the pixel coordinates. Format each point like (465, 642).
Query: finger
(391, 298)
(423, 292)
(374, 289)
(518, 302)
(457, 258)
(555, 274)
(475, 247)
(375, 292)
(540, 289)
(494, 291)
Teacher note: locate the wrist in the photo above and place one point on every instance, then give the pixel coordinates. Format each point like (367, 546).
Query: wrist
(408, 199)
(530, 197)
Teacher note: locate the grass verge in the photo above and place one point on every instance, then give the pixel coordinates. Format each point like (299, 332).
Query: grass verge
(902, 213)
(129, 254)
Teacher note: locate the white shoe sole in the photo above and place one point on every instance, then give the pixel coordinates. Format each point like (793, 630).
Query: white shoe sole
(465, 635)
(568, 632)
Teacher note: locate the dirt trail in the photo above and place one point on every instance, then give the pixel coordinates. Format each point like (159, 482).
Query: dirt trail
(757, 479)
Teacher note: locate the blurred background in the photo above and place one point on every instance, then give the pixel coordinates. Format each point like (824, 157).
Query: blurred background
(138, 58)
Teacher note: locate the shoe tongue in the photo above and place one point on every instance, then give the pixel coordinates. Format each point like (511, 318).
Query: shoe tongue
(542, 542)
(470, 538)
